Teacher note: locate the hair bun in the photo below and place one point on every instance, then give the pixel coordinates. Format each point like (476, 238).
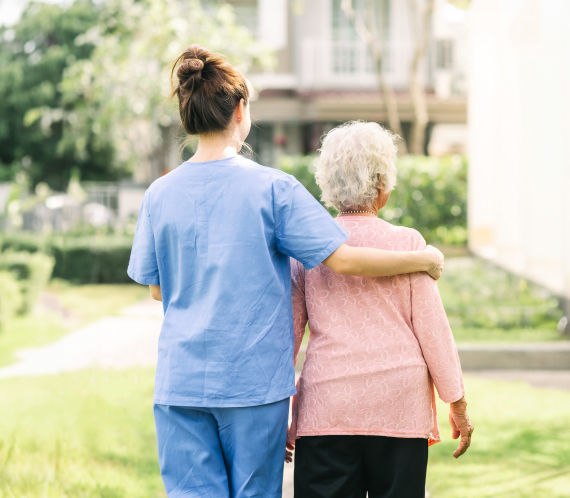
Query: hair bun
(194, 64)
(190, 72)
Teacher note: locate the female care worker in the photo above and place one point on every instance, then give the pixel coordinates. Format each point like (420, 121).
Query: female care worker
(213, 241)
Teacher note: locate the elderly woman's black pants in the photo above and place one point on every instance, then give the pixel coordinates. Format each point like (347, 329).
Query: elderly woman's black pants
(351, 466)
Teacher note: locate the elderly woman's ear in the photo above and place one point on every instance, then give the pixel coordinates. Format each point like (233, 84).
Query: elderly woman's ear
(382, 199)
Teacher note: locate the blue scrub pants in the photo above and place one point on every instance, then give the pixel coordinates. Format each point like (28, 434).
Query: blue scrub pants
(222, 452)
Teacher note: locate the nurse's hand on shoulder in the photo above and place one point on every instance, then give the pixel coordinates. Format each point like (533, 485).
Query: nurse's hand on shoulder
(437, 269)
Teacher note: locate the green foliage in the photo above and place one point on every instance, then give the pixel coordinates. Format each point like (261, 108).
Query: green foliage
(34, 55)
(478, 295)
(431, 196)
(303, 169)
(23, 241)
(83, 85)
(127, 78)
(10, 298)
(83, 259)
(32, 271)
(97, 260)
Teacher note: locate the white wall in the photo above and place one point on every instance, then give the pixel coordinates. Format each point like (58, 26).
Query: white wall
(519, 137)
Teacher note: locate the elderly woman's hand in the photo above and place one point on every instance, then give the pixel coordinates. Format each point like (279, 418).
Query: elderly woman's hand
(438, 259)
(289, 448)
(460, 425)
(289, 453)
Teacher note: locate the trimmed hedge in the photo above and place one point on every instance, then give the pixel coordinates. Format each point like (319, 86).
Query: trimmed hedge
(32, 271)
(82, 260)
(94, 260)
(11, 298)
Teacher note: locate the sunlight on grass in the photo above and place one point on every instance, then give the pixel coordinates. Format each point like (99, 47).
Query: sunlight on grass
(84, 304)
(87, 434)
(90, 302)
(520, 449)
(511, 335)
(91, 434)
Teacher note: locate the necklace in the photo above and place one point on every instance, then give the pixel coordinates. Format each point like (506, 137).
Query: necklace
(356, 212)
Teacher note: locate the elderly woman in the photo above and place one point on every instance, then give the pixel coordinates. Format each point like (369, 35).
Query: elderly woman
(365, 410)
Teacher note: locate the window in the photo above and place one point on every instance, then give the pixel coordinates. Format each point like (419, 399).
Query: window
(246, 13)
(349, 53)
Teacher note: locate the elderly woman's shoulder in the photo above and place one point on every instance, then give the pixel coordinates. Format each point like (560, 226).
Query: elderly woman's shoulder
(409, 237)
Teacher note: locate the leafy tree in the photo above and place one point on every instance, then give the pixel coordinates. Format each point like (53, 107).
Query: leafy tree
(123, 85)
(33, 57)
(84, 86)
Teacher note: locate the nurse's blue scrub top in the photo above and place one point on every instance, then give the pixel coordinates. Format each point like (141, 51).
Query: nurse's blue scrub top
(217, 237)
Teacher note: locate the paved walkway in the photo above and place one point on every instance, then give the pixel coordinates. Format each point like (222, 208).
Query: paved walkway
(122, 341)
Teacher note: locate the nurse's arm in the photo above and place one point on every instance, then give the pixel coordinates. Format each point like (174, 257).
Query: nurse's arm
(367, 262)
(155, 292)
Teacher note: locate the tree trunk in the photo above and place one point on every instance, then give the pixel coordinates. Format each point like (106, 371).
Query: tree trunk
(417, 91)
(368, 35)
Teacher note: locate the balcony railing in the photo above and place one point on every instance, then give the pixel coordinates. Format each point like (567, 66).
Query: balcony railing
(341, 64)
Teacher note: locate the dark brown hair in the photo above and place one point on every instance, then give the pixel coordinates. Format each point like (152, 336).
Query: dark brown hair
(208, 89)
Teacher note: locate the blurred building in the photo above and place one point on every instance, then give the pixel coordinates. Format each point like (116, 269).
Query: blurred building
(325, 73)
(519, 136)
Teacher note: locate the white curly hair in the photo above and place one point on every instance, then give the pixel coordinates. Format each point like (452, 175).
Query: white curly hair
(356, 159)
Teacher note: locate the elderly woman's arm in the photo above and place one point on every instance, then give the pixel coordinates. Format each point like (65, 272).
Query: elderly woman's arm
(300, 316)
(432, 330)
(368, 262)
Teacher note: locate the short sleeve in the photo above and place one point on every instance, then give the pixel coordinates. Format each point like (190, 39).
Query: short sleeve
(143, 266)
(303, 227)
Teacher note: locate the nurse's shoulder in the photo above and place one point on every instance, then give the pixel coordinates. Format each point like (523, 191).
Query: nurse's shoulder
(274, 177)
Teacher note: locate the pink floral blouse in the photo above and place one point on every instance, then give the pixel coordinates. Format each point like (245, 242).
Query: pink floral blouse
(376, 345)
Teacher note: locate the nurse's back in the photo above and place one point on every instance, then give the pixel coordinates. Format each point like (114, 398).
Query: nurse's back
(221, 232)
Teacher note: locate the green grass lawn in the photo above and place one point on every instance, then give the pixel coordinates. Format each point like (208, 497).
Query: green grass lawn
(518, 335)
(85, 303)
(520, 447)
(91, 434)
(86, 434)
(487, 304)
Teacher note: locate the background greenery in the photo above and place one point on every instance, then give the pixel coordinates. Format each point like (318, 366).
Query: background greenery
(83, 85)
(79, 259)
(486, 303)
(34, 55)
(431, 195)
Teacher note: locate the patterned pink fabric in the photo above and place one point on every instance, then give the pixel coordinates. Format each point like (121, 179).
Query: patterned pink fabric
(375, 345)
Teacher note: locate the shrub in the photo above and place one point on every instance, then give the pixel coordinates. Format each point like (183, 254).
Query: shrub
(431, 195)
(96, 260)
(10, 297)
(479, 295)
(32, 271)
(23, 241)
(302, 168)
